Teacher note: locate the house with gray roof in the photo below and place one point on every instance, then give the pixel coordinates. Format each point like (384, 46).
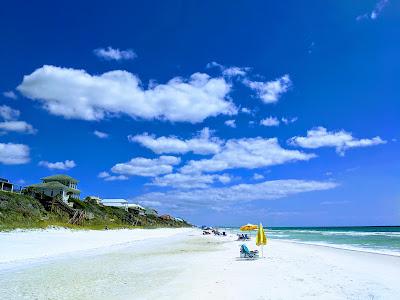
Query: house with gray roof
(54, 185)
(151, 212)
(122, 203)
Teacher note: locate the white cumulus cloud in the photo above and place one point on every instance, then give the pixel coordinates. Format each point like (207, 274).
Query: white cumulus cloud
(248, 153)
(230, 123)
(14, 154)
(59, 165)
(257, 176)
(287, 121)
(7, 113)
(234, 71)
(270, 121)
(110, 53)
(245, 110)
(10, 123)
(214, 64)
(10, 94)
(225, 197)
(100, 134)
(204, 143)
(270, 91)
(17, 126)
(341, 140)
(229, 71)
(75, 94)
(189, 181)
(108, 177)
(146, 167)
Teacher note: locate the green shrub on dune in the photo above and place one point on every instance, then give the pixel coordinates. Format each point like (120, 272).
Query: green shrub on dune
(21, 211)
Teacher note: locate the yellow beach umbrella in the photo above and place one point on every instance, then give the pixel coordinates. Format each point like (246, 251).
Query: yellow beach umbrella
(261, 239)
(248, 227)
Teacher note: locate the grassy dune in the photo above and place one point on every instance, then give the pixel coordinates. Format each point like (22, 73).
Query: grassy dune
(22, 211)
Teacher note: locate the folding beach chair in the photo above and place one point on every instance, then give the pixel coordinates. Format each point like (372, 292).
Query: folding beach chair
(246, 253)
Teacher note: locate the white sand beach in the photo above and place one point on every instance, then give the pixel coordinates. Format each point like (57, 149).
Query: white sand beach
(22, 245)
(183, 264)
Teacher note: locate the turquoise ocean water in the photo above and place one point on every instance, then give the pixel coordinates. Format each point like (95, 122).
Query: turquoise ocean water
(384, 240)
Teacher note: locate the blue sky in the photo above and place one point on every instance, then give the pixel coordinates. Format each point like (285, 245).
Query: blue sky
(221, 113)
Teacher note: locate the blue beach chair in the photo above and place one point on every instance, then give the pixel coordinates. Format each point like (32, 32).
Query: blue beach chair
(246, 253)
(243, 237)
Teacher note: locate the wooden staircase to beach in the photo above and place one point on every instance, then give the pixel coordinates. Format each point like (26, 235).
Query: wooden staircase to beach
(78, 217)
(55, 204)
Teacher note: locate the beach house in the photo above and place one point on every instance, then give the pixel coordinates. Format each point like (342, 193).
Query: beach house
(166, 217)
(54, 185)
(137, 209)
(93, 199)
(122, 203)
(151, 212)
(6, 185)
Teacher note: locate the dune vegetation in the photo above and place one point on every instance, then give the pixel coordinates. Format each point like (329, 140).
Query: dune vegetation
(24, 211)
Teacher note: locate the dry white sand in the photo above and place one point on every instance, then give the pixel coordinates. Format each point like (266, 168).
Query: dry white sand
(295, 271)
(191, 266)
(20, 245)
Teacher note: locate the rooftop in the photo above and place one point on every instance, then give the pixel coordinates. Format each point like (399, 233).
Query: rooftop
(136, 206)
(60, 177)
(53, 185)
(114, 201)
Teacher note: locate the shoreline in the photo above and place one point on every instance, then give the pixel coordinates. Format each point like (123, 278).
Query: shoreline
(338, 247)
